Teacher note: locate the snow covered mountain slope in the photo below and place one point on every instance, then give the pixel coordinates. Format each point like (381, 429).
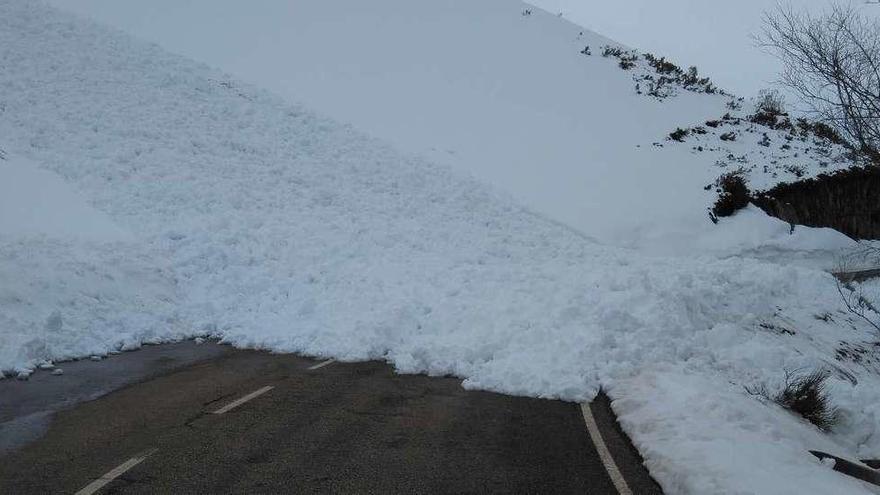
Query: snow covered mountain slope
(506, 97)
(261, 223)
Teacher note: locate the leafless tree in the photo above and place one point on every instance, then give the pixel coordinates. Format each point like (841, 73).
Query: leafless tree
(856, 303)
(832, 62)
(852, 292)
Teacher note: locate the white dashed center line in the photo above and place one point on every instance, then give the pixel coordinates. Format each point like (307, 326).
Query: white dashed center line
(238, 402)
(604, 453)
(116, 472)
(321, 365)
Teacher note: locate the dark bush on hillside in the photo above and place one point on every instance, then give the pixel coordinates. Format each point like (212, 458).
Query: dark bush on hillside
(661, 65)
(672, 74)
(679, 134)
(692, 78)
(733, 195)
(627, 64)
(627, 59)
(765, 119)
(728, 136)
(797, 171)
(806, 396)
(611, 51)
(769, 109)
(818, 129)
(770, 101)
(827, 132)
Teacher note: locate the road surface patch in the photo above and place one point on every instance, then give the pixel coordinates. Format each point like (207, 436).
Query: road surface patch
(321, 365)
(253, 395)
(116, 472)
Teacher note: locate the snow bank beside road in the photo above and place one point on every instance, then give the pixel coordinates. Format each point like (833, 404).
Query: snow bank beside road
(722, 442)
(270, 227)
(67, 299)
(72, 282)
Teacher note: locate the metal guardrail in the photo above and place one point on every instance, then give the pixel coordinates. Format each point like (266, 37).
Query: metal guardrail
(850, 468)
(857, 275)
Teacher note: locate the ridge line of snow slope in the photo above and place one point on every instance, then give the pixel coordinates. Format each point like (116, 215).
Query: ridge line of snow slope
(286, 231)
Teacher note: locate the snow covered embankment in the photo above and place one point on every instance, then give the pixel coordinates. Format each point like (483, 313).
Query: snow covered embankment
(279, 229)
(72, 283)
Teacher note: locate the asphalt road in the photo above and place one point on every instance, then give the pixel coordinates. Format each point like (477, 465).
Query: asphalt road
(337, 428)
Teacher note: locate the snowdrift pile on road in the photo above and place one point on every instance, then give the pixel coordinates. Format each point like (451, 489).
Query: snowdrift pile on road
(250, 218)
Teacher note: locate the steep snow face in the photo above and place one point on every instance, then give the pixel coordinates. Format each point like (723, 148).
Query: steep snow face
(497, 94)
(265, 225)
(505, 97)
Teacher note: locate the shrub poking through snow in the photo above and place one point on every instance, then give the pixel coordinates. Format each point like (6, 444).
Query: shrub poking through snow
(820, 130)
(660, 78)
(626, 58)
(770, 111)
(824, 131)
(770, 101)
(661, 65)
(806, 395)
(733, 195)
(679, 134)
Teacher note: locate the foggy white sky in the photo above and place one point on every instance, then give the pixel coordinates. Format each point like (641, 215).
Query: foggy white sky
(714, 35)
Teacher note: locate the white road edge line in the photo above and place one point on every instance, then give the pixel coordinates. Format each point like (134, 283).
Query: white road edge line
(238, 402)
(604, 453)
(321, 365)
(116, 472)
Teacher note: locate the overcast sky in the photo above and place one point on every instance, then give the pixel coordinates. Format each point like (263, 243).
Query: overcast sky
(714, 35)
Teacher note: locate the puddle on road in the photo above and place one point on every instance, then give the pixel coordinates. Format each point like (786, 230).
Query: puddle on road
(26, 406)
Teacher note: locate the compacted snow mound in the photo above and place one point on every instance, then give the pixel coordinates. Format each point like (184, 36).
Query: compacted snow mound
(67, 299)
(72, 283)
(261, 223)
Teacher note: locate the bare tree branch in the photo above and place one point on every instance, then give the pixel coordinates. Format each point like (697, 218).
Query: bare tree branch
(832, 62)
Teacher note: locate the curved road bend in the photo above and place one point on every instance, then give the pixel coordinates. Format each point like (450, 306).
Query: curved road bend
(210, 419)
